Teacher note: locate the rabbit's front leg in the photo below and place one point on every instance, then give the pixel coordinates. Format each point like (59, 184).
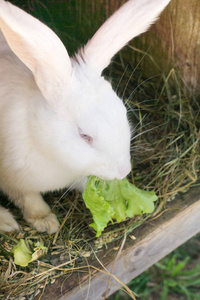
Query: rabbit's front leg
(37, 212)
(7, 221)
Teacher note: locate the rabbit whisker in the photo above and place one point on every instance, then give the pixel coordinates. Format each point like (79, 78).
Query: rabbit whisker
(132, 75)
(120, 80)
(68, 190)
(135, 129)
(148, 130)
(141, 84)
(131, 107)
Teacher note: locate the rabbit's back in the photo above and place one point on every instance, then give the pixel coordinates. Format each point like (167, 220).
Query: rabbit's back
(24, 164)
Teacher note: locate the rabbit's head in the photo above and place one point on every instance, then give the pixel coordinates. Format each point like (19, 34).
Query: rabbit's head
(84, 123)
(101, 132)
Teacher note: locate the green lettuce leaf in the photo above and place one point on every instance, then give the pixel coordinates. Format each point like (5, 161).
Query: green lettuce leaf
(101, 210)
(115, 199)
(23, 254)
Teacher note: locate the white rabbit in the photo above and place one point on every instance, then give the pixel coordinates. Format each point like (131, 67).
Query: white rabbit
(60, 121)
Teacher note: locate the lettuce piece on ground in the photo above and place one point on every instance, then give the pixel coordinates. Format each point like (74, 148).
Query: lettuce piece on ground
(23, 255)
(115, 199)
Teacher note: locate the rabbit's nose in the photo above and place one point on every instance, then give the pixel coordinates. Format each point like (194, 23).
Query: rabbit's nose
(124, 169)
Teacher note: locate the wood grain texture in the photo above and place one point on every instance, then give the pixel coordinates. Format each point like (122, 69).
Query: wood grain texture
(179, 29)
(174, 41)
(154, 240)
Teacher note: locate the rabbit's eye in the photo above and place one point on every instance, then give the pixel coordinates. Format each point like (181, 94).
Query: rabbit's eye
(88, 139)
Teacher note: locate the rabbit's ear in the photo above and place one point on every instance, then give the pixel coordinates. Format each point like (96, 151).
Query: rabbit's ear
(38, 47)
(133, 18)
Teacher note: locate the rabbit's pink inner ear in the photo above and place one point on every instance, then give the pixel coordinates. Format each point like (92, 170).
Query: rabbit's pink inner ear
(39, 48)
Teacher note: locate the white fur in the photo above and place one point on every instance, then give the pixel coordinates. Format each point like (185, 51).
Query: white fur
(60, 121)
(130, 20)
(8, 223)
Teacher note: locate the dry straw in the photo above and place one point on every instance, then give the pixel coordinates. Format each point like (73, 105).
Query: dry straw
(165, 157)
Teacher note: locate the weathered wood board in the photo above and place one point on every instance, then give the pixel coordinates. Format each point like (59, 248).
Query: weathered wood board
(174, 41)
(154, 240)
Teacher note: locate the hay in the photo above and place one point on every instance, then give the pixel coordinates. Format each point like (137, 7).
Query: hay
(165, 157)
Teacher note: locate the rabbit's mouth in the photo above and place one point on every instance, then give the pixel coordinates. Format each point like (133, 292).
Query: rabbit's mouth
(109, 173)
(124, 170)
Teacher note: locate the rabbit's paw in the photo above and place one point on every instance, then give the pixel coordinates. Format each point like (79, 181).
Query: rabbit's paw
(47, 223)
(7, 221)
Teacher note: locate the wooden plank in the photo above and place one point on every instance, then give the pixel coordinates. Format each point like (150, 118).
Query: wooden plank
(174, 41)
(154, 240)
